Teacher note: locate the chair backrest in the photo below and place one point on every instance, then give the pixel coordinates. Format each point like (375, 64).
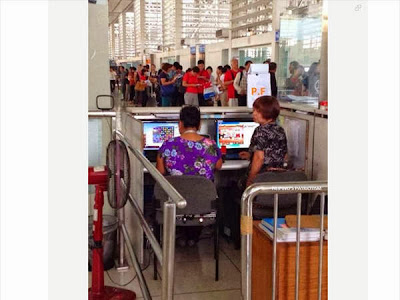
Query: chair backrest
(285, 200)
(199, 192)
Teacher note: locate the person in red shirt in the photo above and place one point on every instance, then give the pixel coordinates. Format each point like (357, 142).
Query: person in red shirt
(191, 82)
(203, 77)
(228, 82)
(142, 95)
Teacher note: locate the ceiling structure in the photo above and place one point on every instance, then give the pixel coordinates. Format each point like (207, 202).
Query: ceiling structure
(116, 7)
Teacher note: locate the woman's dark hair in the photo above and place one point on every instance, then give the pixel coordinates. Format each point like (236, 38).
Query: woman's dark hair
(272, 66)
(190, 116)
(228, 67)
(209, 68)
(196, 69)
(166, 66)
(268, 106)
(220, 68)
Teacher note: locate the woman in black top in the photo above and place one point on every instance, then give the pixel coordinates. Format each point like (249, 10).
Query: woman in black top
(268, 145)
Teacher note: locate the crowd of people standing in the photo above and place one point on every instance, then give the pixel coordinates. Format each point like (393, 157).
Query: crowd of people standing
(171, 86)
(302, 83)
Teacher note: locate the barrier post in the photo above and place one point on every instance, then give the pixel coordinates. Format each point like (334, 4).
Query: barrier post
(296, 294)
(321, 244)
(168, 250)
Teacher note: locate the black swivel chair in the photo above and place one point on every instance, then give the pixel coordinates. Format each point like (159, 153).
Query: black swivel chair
(263, 205)
(201, 209)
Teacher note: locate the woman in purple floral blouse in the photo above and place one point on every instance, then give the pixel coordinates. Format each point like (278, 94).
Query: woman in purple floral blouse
(190, 153)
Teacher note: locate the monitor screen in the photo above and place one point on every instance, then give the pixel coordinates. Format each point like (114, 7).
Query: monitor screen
(235, 135)
(156, 133)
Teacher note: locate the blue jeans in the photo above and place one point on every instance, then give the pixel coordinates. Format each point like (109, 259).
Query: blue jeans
(165, 101)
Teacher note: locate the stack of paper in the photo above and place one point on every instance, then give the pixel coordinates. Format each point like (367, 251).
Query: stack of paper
(286, 234)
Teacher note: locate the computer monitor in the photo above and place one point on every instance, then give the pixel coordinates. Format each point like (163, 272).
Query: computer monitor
(156, 133)
(235, 134)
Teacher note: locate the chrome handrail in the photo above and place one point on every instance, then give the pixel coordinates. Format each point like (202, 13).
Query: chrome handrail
(101, 114)
(166, 257)
(139, 273)
(146, 228)
(276, 188)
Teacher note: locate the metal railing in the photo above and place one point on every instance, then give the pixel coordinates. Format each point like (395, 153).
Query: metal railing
(166, 256)
(101, 114)
(320, 187)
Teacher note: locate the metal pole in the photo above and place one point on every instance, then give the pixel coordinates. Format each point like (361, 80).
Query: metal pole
(321, 244)
(150, 236)
(167, 281)
(274, 245)
(296, 297)
(246, 240)
(121, 212)
(246, 213)
(101, 114)
(138, 270)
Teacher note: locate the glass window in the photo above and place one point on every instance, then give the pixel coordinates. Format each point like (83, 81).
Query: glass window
(300, 52)
(256, 55)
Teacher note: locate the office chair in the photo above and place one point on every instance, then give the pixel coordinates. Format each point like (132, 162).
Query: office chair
(201, 209)
(263, 205)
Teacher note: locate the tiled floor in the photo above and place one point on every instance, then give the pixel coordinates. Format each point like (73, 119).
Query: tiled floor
(194, 274)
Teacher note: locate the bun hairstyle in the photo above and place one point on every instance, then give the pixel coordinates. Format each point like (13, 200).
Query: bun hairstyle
(190, 116)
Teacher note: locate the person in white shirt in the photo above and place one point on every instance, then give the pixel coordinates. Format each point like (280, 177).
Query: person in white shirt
(113, 76)
(240, 84)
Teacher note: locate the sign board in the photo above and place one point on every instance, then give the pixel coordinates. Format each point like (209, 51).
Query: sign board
(259, 69)
(258, 83)
(202, 49)
(193, 50)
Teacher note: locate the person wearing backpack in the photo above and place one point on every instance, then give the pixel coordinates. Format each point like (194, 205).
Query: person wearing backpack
(240, 84)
